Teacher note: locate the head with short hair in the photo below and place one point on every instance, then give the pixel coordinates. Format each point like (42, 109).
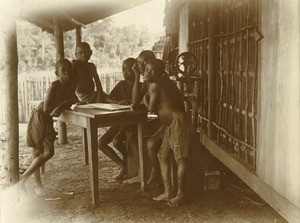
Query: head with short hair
(143, 58)
(63, 70)
(83, 51)
(128, 73)
(154, 70)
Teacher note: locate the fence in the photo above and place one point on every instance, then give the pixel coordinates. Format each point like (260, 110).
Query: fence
(33, 87)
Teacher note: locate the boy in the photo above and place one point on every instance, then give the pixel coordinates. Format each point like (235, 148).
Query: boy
(153, 126)
(121, 93)
(86, 75)
(40, 132)
(165, 100)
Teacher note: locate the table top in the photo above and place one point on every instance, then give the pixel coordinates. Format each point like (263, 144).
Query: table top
(95, 113)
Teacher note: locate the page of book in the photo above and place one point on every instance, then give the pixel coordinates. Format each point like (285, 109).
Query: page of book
(103, 106)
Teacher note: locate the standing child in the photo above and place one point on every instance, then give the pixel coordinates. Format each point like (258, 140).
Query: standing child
(121, 93)
(40, 132)
(165, 100)
(87, 76)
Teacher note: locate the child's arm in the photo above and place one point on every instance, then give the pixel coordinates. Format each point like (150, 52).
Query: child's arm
(97, 80)
(120, 102)
(49, 102)
(116, 97)
(52, 107)
(63, 105)
(151, 98)
(99, 88)
(136, 97)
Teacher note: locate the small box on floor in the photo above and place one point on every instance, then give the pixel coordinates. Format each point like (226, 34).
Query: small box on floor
(212, 180)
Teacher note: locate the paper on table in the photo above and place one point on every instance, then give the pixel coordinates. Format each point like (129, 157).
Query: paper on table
(152, 116)
(103, 106)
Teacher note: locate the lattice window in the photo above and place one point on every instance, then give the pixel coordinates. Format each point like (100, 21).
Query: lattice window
(198, 45)
(236, 60)
(237, 79)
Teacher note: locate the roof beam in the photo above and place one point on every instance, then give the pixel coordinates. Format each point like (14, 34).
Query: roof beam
(71, 19)
(42, 22)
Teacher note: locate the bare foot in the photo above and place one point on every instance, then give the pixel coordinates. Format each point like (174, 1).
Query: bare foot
(22, 188)
(133, 180)
(39, 191)
(121, 174)
(177, 201)
(153, 181)
(163, 197)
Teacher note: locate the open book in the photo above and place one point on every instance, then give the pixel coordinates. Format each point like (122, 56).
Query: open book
(103, 106)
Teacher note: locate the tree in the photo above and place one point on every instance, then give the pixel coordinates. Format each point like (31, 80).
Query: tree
(110, 44)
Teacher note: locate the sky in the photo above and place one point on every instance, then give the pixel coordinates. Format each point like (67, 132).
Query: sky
(149, 15)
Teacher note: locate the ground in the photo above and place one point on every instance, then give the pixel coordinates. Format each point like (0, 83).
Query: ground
(68, 196)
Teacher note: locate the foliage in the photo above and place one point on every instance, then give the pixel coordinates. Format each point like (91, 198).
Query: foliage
(110, 44)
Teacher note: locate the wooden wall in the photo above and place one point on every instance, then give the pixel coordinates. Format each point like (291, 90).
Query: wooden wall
(183, 29)
(277, 175)
(279, 112)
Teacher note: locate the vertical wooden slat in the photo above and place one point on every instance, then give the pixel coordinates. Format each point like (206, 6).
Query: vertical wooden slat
(221, 99)
(59, 45)
(227, 110)
(26, 94)
(11, 92)
(212, 70)
(233, 77)
(246, 87)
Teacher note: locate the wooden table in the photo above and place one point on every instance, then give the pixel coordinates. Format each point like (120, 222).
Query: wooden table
(91, 120)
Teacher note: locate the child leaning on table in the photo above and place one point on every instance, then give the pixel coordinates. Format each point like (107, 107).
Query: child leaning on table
(40, 132)
(87, 76)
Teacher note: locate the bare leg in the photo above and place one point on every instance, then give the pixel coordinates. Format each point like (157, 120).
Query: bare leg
(37, 163)
(164, 159)
(153, 146)
(37, 174)
(181, 174)
(107, 150)
(119, 144)
(133, 146)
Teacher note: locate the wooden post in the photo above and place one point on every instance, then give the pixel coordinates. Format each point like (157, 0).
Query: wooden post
(84, 132)
(78, 34)
(11, 104)
(212, 70)
(59, 45)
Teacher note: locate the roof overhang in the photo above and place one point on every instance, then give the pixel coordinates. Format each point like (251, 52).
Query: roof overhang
(72, 13)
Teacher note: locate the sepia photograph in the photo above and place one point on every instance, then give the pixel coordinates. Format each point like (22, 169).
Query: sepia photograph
(150, 111)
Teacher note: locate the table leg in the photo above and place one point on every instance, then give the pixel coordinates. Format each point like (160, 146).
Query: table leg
(93, 159)
(85, 146)
(141, 157)
(62, 132)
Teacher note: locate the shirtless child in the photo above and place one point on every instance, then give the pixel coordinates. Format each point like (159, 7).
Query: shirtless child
(87, 76)
(153, 128)
(165, 100)
(40, 132)
(122, 94)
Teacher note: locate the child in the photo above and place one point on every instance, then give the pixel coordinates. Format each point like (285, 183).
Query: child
(121, 93)
(165, 100)
(86, 75)
(40, 132)
(153, 128)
